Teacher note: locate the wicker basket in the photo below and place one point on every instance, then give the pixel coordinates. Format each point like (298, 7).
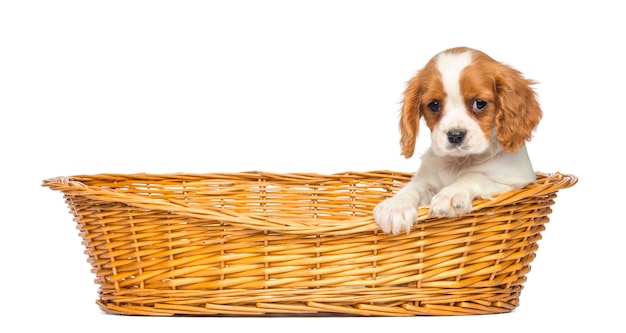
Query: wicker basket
(262, 243)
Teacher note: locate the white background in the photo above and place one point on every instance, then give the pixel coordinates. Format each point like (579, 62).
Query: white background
(294, 86)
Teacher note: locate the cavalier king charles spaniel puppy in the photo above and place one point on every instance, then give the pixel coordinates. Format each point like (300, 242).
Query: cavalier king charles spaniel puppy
(480, 113)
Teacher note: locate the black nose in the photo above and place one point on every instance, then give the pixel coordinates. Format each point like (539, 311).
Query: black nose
(455, 137)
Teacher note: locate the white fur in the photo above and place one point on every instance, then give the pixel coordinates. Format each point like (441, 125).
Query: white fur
(456, 115)
(451, 176)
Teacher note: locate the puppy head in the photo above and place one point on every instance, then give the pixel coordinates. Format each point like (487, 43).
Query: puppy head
(470, 103)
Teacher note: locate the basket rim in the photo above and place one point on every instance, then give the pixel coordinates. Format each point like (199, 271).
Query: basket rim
(544, 184)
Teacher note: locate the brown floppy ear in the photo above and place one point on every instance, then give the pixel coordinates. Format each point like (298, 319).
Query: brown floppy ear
(410, 117)
(518, 110)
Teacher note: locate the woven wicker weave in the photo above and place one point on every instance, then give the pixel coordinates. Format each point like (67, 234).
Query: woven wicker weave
(261, 243)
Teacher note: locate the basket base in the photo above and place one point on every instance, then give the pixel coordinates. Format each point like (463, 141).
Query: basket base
(317, 302)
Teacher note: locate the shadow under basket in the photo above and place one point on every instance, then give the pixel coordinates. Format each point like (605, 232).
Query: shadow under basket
(298, 244)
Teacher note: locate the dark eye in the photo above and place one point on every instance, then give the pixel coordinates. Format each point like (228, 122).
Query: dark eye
(434, 106)
(478, 105)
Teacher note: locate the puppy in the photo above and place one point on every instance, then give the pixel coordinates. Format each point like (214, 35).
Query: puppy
(480, 113)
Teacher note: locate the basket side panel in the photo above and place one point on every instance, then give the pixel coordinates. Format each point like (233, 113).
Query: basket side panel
(155, 262)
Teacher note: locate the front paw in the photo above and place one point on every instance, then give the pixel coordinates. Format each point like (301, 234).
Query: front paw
(396, 214)
(450, 203)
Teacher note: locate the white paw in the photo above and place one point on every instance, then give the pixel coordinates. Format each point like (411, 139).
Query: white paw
(450, 203)
(396, 214)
